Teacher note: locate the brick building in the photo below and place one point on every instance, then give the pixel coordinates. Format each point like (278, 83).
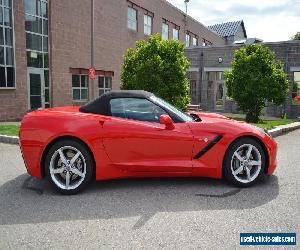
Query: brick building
(46, 47)
(207, 82)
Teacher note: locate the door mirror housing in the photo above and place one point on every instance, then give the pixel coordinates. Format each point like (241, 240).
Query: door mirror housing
(167, 121)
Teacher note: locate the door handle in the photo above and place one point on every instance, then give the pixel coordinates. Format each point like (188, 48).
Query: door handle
(102, 120)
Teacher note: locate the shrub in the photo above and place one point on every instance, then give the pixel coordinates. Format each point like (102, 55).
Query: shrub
(158, 66)
(256, 77)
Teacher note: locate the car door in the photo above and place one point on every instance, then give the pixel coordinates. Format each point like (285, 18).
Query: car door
(135, 140)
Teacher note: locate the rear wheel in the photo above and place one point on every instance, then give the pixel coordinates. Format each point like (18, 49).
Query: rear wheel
(244, 162)
(69, 166)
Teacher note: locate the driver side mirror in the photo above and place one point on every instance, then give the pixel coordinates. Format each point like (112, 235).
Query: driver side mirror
(167, 120)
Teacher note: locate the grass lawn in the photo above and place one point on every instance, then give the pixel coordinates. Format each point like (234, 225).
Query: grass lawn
(9, 130)
(268, 124)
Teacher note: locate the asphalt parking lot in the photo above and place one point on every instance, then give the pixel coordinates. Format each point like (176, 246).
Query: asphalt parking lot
(178, 213)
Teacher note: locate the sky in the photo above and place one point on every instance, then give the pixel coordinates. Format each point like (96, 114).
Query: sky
(270, 20)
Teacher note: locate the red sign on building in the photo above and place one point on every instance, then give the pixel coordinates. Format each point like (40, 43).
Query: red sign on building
(92, 73)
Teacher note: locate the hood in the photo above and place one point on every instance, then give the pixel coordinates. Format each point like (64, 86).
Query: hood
(221, 124)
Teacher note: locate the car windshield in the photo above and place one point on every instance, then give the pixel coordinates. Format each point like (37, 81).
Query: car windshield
(176, 111)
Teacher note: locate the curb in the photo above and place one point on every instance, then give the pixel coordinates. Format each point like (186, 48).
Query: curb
(273, 132)
(284, 129)
(9, 139)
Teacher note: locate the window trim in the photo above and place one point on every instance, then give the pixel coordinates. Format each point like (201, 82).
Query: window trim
(162, 32)
(105, 90)
(80, 88)
(42, 35)
(13, 46)
(187, 40)
(136, 19)
(177, 39)
(195, 39)
(147, 25)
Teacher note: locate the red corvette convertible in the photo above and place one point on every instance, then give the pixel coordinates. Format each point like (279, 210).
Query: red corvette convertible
(297, 98)
(136, 134)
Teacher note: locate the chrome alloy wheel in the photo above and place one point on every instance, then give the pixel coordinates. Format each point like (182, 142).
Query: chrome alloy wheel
(67, 167)
(246, 163)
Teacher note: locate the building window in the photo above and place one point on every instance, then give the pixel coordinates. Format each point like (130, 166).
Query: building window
(104, 84)
(175, 34)
(80, 87)
(7, 73)
(187, 40)
(36, 27)
(195, 41)
(165, 31)
(132, 18)
(147, 25)
(296, 86)
(206, 43)
(220, 75)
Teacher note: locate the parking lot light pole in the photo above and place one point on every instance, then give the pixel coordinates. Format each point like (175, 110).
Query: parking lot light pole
(185, 18)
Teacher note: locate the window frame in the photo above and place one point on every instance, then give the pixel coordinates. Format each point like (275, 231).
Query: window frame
(193, 40)
(131, 20)
(162, 31)
(43, 35)
(80, 88)
(187, 40)
(147, 25)
(105, 88)
(41, 56)
(5, 46)
(176, 38)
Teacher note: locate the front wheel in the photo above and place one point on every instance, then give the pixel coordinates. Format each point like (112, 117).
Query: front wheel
(69, 166)
(244, 162)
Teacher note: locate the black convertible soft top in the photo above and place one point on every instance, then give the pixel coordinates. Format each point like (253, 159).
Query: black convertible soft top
(101, 105)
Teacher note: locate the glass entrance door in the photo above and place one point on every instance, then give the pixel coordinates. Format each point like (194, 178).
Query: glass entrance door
(36, 88)
(220, 91)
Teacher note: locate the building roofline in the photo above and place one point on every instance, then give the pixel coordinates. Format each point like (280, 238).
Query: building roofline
(244, 29)
(297, 42)
(218, 25)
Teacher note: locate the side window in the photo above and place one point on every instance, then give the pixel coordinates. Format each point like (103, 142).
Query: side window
(136, 109)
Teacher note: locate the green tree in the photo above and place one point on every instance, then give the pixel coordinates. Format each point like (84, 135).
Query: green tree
(295, 89)
(158, 66)
(296, 36)
(256, 77)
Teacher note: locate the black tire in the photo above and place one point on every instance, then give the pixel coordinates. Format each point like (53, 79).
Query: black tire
(228, 169)
(85, 155)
